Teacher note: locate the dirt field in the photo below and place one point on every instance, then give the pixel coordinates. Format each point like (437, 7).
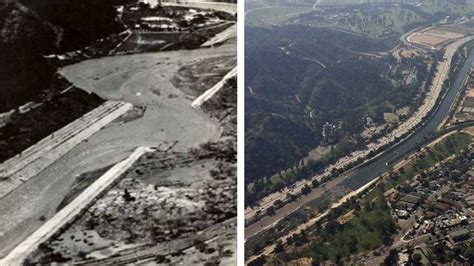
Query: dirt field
(429, 40)
(451, 34)
(407, 53)
(435, 37)
(143, 80)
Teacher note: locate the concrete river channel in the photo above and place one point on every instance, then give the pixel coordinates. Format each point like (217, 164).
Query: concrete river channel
(422, 135)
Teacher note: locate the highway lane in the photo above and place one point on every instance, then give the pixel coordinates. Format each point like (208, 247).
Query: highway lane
(222, 37)
(29, 155)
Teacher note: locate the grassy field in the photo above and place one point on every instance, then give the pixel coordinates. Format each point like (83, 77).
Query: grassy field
(373, 21)
(377, 22)
(392, 19)
(432, 7)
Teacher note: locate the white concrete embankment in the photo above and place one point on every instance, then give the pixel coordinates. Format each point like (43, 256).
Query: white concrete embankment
(29, 163)
(210, 92)
(219, 6)
(71, 211)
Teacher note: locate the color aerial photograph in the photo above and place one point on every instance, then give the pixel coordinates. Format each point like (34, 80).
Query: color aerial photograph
(118, 132)
(359, 126)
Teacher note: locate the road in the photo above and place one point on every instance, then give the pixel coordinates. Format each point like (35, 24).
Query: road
(349, 179)
(71, 211)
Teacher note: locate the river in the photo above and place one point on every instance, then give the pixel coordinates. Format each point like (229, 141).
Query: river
(378, 166)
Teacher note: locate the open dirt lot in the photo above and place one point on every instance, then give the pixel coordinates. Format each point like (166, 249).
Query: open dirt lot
(143, 80)
(451, 34)
(435, 37)
(426, 39)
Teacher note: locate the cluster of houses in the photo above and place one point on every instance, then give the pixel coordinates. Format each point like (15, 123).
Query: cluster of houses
(332, 132)
(442, 205)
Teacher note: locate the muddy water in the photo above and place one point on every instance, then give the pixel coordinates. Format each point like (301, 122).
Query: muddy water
(142, 79)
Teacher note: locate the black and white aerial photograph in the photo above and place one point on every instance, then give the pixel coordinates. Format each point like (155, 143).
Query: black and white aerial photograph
(118, 132)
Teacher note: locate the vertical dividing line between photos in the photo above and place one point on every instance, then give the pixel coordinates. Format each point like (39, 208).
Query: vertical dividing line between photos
(240, 131)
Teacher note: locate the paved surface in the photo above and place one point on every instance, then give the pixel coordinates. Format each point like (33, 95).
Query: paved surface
(71, 211)
(36, 158)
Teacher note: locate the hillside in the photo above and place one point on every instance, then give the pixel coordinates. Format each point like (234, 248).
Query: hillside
(80, 21)
(299, 80)
(30, 29)
(24, 37)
